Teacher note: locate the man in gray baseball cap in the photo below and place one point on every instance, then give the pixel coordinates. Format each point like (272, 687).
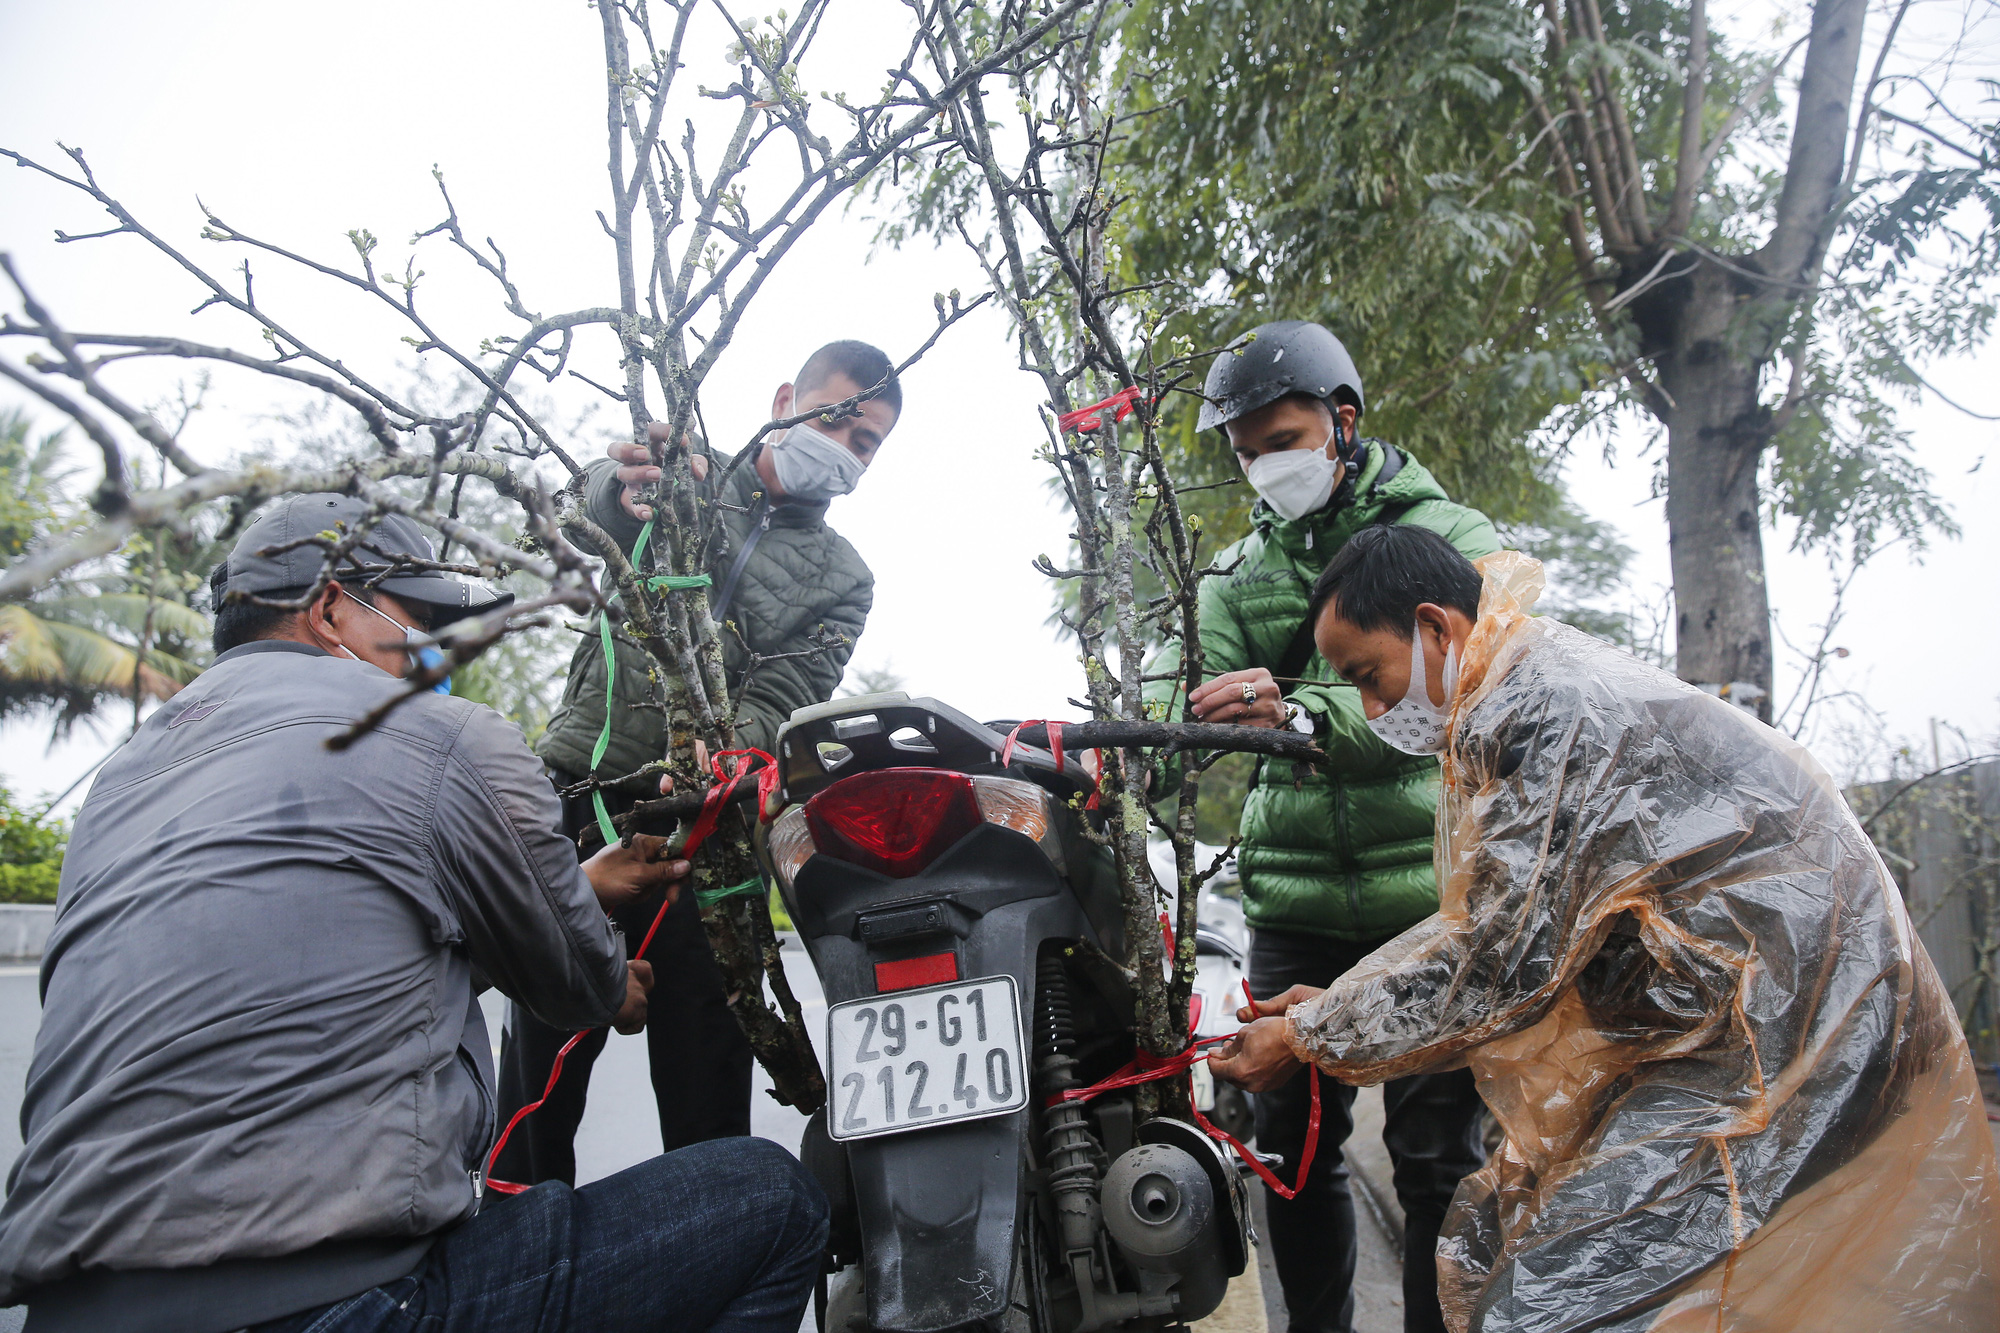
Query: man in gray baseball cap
(262, 1094)
(281, 556)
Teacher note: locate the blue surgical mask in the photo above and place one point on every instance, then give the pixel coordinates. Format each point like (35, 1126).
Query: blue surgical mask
(424, 656)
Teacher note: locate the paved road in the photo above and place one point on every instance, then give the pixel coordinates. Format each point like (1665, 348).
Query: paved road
(20, 1015)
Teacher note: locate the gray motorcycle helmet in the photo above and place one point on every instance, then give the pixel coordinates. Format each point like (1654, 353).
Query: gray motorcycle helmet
(1272, 360)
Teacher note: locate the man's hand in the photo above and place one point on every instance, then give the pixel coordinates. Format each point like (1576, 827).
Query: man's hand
(636, 470)
(630, 869)
(1258, 1058)
(1225, 699)
(638, 980)
(1278, 1005)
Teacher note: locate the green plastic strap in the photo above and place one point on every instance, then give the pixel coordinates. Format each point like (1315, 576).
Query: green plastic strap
(671, 582)
(604, 824)
(710, 897)
(677, 582)
(604, 737)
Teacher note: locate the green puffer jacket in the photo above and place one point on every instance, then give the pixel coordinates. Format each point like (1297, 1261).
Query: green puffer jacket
(1348, 854)
(801, 575)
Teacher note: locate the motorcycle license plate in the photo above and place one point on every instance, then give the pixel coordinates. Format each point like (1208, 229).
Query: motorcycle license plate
(933, 1056)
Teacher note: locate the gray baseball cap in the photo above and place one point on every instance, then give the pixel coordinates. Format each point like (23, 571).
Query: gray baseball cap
(393, 536)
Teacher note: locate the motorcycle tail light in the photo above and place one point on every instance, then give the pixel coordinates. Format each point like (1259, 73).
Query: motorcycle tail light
(789, 844)
(894, 821)
(859, 813)
(1023, 807)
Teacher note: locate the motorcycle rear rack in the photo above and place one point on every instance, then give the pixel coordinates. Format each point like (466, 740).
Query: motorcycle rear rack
(826, 742)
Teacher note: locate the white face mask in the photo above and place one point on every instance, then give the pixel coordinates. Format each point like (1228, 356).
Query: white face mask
(1416, 725)
(813, 466)
(421, 655)
(1295, 482)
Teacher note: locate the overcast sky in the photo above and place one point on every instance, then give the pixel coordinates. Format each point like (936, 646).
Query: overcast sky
(300, 122)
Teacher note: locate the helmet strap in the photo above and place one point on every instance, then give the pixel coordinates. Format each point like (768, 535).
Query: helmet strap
(1347, 448)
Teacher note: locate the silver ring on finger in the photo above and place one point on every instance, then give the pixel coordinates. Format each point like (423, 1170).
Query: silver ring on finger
(1249, 694)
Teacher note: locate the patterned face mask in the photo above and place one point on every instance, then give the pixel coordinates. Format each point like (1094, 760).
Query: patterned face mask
(1416, 725)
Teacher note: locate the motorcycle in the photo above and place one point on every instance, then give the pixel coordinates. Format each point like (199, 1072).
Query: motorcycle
(965, 928)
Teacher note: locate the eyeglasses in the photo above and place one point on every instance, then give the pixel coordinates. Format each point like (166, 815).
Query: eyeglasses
(423, 656)
(423, 622)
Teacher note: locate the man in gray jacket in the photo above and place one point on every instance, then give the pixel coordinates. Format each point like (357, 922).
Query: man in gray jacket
(798, 596)
(262, 1089)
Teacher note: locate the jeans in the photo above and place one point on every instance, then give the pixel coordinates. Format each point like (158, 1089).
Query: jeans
(1432, 1131)
(724, 1236)
(699, 1057)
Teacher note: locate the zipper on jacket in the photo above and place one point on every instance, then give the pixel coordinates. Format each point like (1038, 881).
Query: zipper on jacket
(719, 609)
(1345, 854)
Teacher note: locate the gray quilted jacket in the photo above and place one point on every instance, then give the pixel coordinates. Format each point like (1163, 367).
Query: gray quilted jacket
(801, 575)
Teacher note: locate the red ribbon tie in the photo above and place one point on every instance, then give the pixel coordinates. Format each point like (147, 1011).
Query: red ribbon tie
(1146, 1068)
(1086, 419)
(1014, 738)
(704, 824)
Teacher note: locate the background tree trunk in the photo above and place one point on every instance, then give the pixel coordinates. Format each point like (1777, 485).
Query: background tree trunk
(1709, 336)
(1716, 433)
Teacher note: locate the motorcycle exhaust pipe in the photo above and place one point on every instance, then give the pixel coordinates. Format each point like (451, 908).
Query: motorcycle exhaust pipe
(1160, 1208)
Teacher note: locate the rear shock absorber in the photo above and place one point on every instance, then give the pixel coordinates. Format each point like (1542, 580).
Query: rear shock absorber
(1071, 1147)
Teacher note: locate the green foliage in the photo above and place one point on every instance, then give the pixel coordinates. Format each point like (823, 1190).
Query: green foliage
(74, 646)
(30, 884)
(33, 473)
(1352, 163)
(31, 851)
(1585, 564)
(1349, 163)
(514, 679)
(1379, 168)
(1912, 283)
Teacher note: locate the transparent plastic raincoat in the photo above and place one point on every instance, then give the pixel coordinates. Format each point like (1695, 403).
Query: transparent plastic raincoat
(1734, 1093)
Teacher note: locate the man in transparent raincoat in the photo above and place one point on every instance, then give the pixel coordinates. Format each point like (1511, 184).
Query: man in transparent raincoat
(1734, 1092)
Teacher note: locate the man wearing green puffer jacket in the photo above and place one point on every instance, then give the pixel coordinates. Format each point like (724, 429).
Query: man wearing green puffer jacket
(1336, 867)
(798, 596)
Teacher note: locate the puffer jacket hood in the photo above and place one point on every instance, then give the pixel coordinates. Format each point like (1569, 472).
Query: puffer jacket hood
(801, 577)
(1347, 852)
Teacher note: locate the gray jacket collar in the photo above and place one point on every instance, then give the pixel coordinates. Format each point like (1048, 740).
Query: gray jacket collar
(270, 646)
